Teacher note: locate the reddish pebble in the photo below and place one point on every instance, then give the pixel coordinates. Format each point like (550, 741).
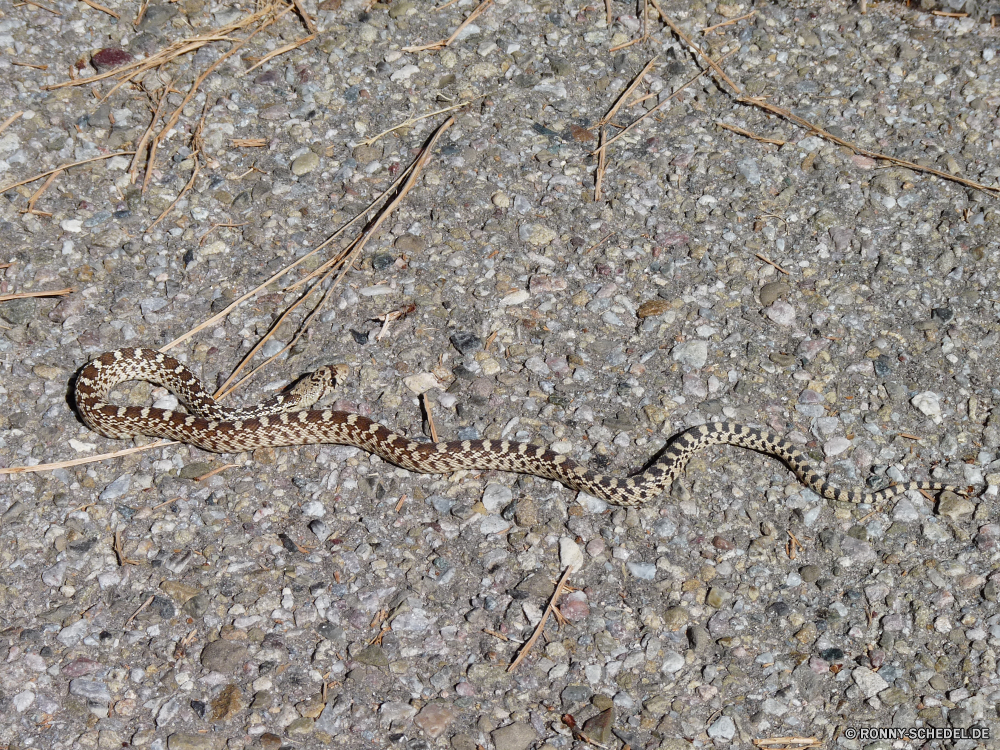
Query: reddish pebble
(574, 607)
(110, 58)
(721, 543)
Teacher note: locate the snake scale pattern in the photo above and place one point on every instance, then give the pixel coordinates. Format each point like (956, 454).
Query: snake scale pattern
(287, 420)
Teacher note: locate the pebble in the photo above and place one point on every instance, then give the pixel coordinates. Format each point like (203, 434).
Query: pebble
(496, 497)
(929, 403)
(516, 736)
(723, 728)
(570, 554)
(836, 446)
(305, 164)
(780, 313)
(642, 571)
(870, 682)
(223, 656)
(435, 718)
(536, 234)
(691, 353)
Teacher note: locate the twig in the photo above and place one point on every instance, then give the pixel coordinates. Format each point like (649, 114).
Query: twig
(410, 121)
(748, 134)
(134, 614)
(7, 123)
(599, 242)
(101, 8)
(5, 188)
(310, 26)
(347, 261)
(213, 472)
(669, 98)
(800, 742)
(29, 65)
(190, 182)
(523, 652)
(712, 63)
(445, 42)
(43, 7)
(46, 293)
(770, 262)
(730, 22)
(157, 114)
(38, 194)
(87, 460)
(817, 130)
(141, 13)
(430, 417)
(607, 12)
(287, 48)
(626, 93)
(602, 164)
(119, 549)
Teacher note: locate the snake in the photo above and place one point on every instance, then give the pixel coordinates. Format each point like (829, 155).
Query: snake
(287, 420)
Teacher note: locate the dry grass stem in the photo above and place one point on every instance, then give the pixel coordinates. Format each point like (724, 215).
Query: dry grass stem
(602, 164)
(812, 128)
(347, 262)
(445, 42)
(817, 130)
(661, 104)
(748, 134)
(248, 142)
(609, 16)
(770, 262)
(28, 295)
(136, 613)
(29, 65)
(215, 471)
(10, 120)
(447, 4)
(306, 19)
(523, 652)
(430, 417)
(133, 168)
(599, 243)
(101, 8)
(38, 194)
(712, 63)
(87, 460)
(417, 118)
(787, 743)
(282, 50)
(730, 22)
(62, 167)
(141, 13)
(39, 5)
(620, 101)
(175, 201)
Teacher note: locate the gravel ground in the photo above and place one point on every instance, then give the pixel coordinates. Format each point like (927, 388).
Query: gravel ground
(316, 596)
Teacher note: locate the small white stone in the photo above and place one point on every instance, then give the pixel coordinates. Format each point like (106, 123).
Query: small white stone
(781, 313)
(870, 682)
(570, 554)
(928, 402)
(836, 446)
(496, 497)
(71, 225)
(404, 73)
(515, 298)
(421, 382)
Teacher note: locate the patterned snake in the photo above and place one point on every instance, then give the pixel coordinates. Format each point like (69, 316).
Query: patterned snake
(287, 420)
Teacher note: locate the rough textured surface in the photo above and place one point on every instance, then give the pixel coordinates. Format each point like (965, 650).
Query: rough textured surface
(315, 595)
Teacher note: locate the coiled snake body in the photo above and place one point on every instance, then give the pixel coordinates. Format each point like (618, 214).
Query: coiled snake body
(287, 420)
